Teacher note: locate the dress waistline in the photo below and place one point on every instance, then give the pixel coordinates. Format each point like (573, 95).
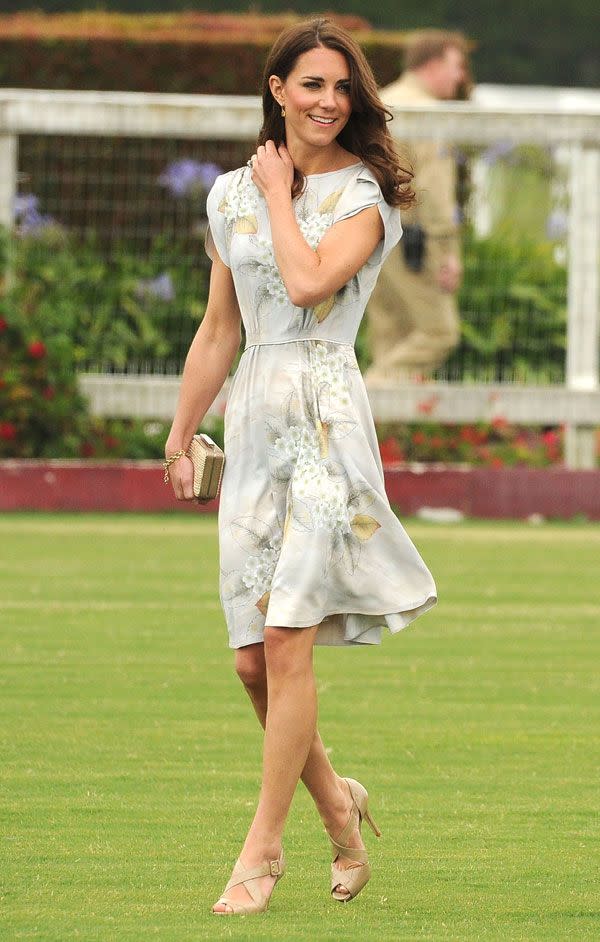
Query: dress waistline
(274, 343)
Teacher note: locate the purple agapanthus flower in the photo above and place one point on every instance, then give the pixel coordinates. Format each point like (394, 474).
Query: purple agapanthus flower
(452, 150)
(160, 288)
(187, 177)
(25, 203)
(557, 225)
(30, 221)
(497, 150)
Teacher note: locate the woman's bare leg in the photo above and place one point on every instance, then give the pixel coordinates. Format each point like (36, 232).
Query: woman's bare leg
(289, 731)
(328, 790)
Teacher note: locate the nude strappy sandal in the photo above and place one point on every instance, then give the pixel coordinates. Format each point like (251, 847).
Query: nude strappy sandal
(260, 901)
(354, 878)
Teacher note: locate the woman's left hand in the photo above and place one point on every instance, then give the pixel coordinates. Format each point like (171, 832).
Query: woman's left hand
(272, 169)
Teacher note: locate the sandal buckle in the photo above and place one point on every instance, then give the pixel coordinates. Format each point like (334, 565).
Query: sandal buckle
(275, 868)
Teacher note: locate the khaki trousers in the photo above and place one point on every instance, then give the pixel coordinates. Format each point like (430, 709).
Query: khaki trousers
(412, 325)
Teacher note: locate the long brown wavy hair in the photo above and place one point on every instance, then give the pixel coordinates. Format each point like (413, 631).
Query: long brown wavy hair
(366, 133)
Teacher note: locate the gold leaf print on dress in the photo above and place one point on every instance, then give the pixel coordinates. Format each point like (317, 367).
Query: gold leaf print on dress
(323, 434)
(322, 310)
(363, 526)
(246, 225)
(288, 520)
(330, 202)
(263, 603)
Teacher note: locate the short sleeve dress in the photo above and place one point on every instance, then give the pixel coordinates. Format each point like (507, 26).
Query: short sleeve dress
(306, 533)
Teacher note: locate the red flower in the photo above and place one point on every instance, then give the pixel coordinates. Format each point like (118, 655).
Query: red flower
(87, 450)
(37, 349)
(499, 422)
(426, 406)
(469, 434)
(497, 462)
(390, 450)
(49, 392)
(8, 431)
(436, 441)
(550, 438)
(110, 441)
(3, 324)
(419, 438)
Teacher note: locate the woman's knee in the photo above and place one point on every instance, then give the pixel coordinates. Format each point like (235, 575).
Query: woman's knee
(288, 650)
(250, 666)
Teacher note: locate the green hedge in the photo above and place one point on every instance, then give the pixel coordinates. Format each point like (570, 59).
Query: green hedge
(187, 53)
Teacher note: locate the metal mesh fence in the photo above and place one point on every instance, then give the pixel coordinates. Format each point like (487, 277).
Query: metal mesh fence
(130, 215)
(514, 213)
(102, 206)
(110, 208)
(134, 208)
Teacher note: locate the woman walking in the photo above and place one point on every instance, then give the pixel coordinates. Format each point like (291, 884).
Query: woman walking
(310, 551)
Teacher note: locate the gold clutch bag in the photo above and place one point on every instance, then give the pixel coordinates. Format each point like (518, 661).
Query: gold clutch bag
(208, 461)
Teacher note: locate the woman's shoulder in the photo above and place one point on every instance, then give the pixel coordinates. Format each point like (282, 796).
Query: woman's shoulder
(236, 174)
(361, 191)
(367, 183)
(229, 178)
(231, 191)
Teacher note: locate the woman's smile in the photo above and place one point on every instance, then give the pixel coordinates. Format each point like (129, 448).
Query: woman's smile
(321, 119)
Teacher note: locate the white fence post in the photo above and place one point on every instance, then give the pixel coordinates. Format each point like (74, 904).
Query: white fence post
(8, 189)
(583, 320)
(8, 178)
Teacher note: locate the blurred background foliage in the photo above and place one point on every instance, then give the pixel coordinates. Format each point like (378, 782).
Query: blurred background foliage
(65, 303)
(547, 43)
(72, 298)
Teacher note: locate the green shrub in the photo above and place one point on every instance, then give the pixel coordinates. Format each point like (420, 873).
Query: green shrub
(64, 304)
(113, 309)
(67, 302)
(40, 407)
(513, 313)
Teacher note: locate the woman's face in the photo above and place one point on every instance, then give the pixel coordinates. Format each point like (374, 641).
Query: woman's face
(316, 95)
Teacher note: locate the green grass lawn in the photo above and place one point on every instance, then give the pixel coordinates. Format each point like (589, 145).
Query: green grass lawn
(131, 755)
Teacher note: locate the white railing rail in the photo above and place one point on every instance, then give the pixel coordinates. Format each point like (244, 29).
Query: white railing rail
(569, 123)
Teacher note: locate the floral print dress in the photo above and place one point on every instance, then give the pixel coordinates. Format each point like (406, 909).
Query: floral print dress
(306, 533)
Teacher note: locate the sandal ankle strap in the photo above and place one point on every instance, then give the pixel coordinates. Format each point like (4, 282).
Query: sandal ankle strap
(273, 868)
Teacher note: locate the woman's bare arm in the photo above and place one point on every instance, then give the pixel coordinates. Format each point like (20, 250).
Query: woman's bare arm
(207, 365)
(311, 275)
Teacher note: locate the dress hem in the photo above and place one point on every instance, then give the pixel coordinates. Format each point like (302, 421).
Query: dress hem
(417, 609)
(352, 611)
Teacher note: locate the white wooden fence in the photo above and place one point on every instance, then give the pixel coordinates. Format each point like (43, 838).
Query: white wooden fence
(571, 122)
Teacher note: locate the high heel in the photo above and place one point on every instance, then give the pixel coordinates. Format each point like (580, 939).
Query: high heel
(352, 879)
(260, 901)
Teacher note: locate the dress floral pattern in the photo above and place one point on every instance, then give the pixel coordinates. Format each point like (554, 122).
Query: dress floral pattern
(306, 532)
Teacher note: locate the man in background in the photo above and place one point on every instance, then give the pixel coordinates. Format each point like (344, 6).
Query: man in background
(413, 322)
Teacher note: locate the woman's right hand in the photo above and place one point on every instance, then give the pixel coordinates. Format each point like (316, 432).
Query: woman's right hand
(181, 475)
